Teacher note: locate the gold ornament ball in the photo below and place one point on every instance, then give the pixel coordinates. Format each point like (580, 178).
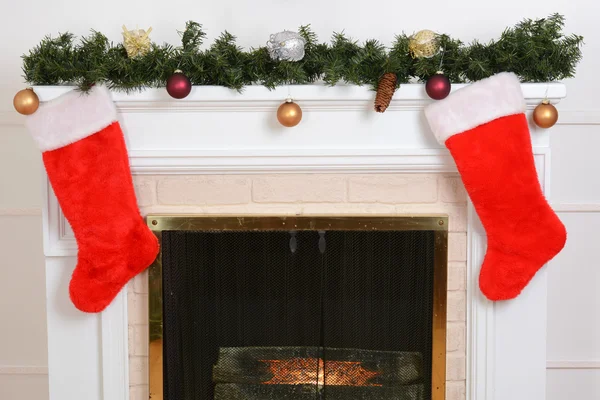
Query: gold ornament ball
(289, 114)
(424, 44)
(26, 102)
(545, 115)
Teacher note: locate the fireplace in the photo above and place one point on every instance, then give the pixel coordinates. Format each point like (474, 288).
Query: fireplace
(257, 308)
(219, 153)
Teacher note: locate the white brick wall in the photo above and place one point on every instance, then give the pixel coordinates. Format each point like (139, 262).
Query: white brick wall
(138, 372)
(393, 189)
(145, 190)
(299, 189)
(452, 190)
(457, 305)
(455, 390)
(310, 194)
(455, 367)
(203, 190)
(457, 246)
(455, 337)
(457, 276)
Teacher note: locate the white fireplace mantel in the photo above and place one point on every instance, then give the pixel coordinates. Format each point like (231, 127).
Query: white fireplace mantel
(219, 131)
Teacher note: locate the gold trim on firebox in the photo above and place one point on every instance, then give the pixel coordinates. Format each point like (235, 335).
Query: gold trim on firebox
(436, 223)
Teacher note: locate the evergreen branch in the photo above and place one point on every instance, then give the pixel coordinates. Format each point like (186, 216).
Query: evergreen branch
(536, 50)
(193, 36)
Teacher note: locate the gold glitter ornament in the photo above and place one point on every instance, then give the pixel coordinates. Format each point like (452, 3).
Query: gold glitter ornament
(136, 42)
(424, 44)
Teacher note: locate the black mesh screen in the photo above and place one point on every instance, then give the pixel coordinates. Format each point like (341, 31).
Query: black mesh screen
(333, 295)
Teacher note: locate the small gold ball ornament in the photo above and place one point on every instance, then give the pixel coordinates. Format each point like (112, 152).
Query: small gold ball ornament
(26, 102)
(289, 114)
(424, 44)
(545, 115)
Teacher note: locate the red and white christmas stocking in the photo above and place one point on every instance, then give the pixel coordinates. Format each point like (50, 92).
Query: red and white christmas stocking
(87, 164)
(485, 128)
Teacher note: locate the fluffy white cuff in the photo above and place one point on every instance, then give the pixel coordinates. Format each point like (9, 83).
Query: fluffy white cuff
(71, 117)
(483, 101)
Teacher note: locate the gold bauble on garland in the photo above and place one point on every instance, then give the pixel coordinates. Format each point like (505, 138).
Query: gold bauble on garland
(26, 102)
(545, 115)
(424, 44)
(136, 42)
(289, 114)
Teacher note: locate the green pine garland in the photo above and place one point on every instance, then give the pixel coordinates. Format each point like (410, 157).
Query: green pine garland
(536, 50)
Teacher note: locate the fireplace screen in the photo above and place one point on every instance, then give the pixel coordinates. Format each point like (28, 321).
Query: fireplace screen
(301, 308)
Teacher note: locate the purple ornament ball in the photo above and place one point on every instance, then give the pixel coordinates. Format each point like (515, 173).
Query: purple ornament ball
(179, 85)
(438, 86)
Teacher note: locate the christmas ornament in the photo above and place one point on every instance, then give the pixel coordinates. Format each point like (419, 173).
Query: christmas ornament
(385, 91)
(26, 102)
(545, 115)
(95, 192)
(179, 85)
(136, 42)
(424, 44)
(289, 114)
(438, 86)
(286, 46)
(485, 128)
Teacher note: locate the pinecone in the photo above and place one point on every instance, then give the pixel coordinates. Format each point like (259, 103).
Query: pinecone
(385, 91)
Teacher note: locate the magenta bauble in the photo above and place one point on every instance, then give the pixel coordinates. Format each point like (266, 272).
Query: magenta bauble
(438, 86)
(179, 85)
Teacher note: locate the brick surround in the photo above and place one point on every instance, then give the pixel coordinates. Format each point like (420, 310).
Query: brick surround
(309, 194)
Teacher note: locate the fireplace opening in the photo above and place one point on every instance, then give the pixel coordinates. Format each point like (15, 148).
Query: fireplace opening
(298, 308)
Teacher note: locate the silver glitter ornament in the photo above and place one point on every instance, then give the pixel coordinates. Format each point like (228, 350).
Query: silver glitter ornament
(286, 46)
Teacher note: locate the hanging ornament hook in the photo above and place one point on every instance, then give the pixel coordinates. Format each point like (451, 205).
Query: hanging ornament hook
(545, 100)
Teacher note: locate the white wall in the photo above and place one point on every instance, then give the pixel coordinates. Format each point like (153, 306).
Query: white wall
(23, 360)
(574, 275)
(572, 334)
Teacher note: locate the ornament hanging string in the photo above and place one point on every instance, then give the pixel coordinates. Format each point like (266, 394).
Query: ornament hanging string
(545, 114)
(443, 51)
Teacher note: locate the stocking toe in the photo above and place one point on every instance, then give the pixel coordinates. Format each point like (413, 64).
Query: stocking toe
(503, 275)
(91, 293)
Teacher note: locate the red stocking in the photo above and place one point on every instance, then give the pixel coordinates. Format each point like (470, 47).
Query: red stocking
(485, 128)
(87, 164)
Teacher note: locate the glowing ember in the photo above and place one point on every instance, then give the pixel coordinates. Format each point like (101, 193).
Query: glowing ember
(303, 371)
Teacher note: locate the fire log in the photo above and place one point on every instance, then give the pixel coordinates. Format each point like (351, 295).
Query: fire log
(305, 365)
(234, 391)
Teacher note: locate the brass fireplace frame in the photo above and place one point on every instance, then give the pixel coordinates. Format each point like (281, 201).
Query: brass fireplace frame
(436, 223)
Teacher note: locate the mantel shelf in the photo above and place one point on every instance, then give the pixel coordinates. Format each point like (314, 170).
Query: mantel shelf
(317, 97)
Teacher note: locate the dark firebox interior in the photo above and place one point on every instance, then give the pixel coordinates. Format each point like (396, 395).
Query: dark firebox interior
(242, 307)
